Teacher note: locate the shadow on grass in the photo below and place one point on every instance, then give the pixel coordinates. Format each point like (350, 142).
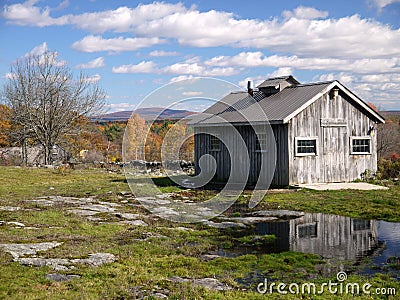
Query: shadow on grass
(158, 181)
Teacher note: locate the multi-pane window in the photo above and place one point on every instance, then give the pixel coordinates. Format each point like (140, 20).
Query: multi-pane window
(359, 224)
(215, 144)
(360, 145)
(261, 142)
(307, 230)
(306, 146)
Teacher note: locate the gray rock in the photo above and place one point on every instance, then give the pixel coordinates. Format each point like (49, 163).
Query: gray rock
(159, 295)
(181, 228)
(18, 224)
(10, 208)
(58, 264)
(134, 223)
(280, 214)
(111, 204)
(96, 259)
(61, 277)
(83, 212)
(52, 200)
(127, 216)
(209, 283)
(208, 257)
(101, 208)
(17, 250)
(224, 225)
(212, 284)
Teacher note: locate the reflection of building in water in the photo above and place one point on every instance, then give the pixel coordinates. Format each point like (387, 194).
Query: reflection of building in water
(327, 235)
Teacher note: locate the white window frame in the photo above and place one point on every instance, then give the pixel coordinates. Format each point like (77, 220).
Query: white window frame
(262, 142)
(215, 138)
(305, 138)
(366, 137)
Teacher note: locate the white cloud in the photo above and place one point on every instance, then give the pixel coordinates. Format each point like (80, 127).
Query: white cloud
(380, 89)
(161, 53)
(142, 67)
(281, 72)
(198, 69)
(62, 5)
(183, 68)
(93, 43)
(38, 50)
(114, 107)
(93, 79)
(95, 63)
(28, 14)
(125, 19)
(257, 59)
(10, 76)
(305, 31)
(302, 12)
(180, 78)
(192, 93)
(41, 50)
(383, 3)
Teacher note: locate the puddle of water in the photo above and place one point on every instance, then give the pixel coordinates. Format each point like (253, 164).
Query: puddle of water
(335, 238)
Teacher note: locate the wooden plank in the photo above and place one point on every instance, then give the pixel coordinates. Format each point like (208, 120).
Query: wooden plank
(333, 122)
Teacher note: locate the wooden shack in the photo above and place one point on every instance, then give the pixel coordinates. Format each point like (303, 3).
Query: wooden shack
(303, 133)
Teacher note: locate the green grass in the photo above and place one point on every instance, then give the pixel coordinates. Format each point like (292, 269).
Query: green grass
(146, 264)
(376, 204)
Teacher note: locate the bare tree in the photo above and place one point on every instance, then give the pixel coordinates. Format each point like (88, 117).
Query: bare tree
(388, 139)
(46, 99)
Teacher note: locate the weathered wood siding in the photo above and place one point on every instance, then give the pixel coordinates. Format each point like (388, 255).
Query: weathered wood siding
(275, 154)
(333, 162)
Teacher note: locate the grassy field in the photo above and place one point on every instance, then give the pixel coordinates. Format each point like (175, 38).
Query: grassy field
(149, 256)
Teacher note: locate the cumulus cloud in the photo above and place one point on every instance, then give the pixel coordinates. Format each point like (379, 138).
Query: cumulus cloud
(114, 107)
(95, 63)
(180, 78)
(302, 12)
(182, 68)
(258, 59)
(142, 67)
(198, 69)
(93, 79)
(28, 14)
(383, 3)
(38, 50)
(380, 89)
(306, 31)
(161, 53)
(93, 43)
(192, 93)
(125, 19)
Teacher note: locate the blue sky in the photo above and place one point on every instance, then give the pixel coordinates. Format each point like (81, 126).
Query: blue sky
(132, 48)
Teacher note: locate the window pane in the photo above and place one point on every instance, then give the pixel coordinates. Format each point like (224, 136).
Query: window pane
(261, 141)
(361, 146)
(215, 143)
(307, 146)
(307, 230)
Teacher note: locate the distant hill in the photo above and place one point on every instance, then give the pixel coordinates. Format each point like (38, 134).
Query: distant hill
(149, 113)
(391, 113)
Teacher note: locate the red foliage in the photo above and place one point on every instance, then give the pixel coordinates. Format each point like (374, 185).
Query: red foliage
(394, 156)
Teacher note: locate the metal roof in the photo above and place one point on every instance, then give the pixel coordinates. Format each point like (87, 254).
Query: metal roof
(246, 109)
(240, 107)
